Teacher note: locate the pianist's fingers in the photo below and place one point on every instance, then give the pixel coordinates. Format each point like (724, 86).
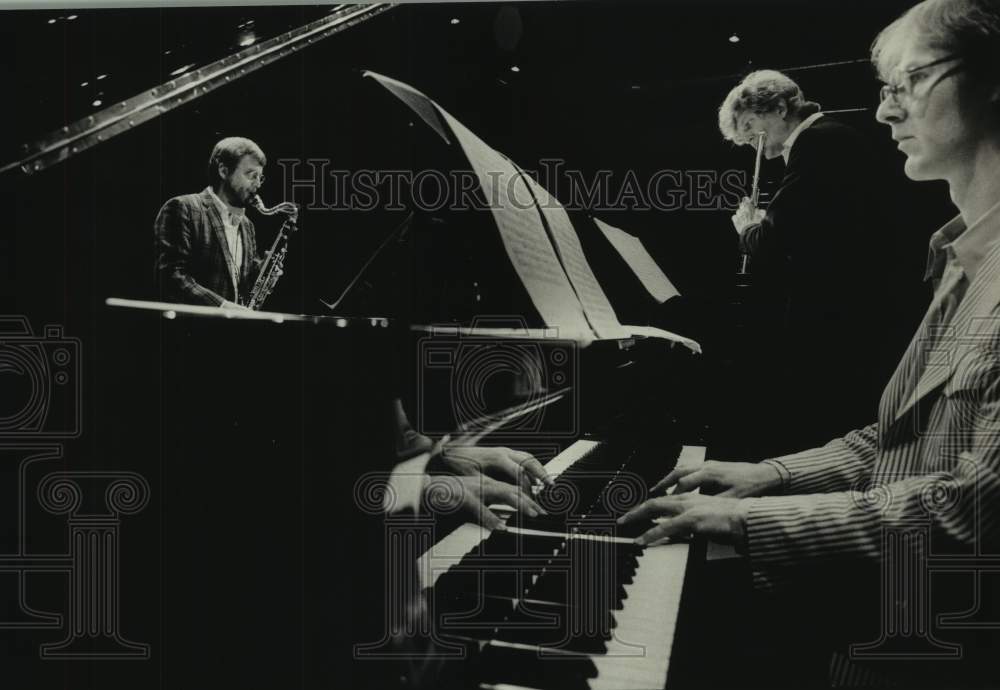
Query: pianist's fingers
(679, 527)
(720, 519)
(484, 516)
(512, 495)
(655, 507)
(508, 465)
(672, 478)
(530, 464)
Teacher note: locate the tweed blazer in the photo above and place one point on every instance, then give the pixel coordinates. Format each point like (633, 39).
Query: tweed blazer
(931, 459)
(192, 254)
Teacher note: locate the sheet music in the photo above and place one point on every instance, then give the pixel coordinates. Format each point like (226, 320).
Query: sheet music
(642, 264)
(596, 306)
(418, 102)
(524, 236)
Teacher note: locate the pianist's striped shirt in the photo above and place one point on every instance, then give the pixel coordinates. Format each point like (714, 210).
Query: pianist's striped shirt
(933, 456)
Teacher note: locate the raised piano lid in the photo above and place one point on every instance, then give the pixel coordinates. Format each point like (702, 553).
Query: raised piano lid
(554, 333)
(171, 310)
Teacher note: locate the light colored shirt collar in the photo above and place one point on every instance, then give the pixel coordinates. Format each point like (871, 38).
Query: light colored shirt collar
(965, 245)
(786, 148)
(225, 209)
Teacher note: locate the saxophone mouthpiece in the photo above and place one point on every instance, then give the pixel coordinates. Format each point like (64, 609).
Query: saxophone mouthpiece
(285, 207)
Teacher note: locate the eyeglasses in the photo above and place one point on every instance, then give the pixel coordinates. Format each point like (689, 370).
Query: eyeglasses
(905, 90)
(255, 176)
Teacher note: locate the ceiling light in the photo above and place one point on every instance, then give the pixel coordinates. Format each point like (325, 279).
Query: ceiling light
(98, 103)
(734, 39)
(455, 21)
(515, 68)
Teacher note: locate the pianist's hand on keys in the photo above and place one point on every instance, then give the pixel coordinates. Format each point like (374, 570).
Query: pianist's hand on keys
(497, 462)
(472, 495)
(735, 479)
(720, 519)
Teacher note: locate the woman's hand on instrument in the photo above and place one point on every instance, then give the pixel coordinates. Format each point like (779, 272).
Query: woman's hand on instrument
(720, 519)
(497, 462)
(747, 215)
(730, 479)
(473, 494)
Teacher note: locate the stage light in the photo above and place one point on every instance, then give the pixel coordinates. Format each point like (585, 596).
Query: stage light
(734, 39)
(515, 68)
(98, 103)
(455, 21)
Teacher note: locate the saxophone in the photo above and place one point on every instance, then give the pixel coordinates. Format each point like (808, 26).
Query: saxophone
(270, 270)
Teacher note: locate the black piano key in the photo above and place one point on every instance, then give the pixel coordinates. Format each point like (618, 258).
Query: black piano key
(558, 628)
(482, 577)
(528, 668)
(508, 544)
(469, 617)
(588, 592)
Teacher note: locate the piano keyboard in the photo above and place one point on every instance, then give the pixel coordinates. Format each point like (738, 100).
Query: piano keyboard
(565, 603)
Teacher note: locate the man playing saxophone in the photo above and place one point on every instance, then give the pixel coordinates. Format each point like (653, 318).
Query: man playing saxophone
(205, 245)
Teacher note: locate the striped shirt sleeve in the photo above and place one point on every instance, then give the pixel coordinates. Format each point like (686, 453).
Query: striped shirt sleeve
(838, 465)
(961, 503)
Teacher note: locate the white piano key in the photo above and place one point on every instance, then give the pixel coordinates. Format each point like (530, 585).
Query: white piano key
(638, 655)
(565, 459)
(649, 616)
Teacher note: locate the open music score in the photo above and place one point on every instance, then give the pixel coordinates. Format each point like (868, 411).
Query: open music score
(537, 234)
(639, 260)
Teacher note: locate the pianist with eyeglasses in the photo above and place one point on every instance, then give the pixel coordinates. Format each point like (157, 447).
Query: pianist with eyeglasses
(926, 474)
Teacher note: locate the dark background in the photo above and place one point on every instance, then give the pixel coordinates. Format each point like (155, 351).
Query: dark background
(605, 86)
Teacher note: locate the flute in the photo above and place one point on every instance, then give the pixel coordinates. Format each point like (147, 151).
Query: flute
(754, 191)
(755, 188)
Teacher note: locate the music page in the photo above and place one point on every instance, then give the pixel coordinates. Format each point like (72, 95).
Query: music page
(642, 264)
